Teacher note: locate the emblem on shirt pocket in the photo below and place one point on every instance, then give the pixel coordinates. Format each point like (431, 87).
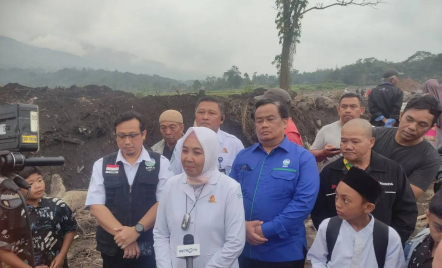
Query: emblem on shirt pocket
(150, 165)
(112, 169)
(212, 199)
(286, 163)
(225, 150)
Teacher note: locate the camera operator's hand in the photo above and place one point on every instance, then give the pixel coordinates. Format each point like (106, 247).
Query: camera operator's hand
(58, 261)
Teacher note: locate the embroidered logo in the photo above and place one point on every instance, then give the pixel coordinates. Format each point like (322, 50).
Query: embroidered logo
(239, 195)
(112, 169)
(150, 165)
(225, 150)
(285, 163)
(212, 199)
(386, 183)
(334, 186)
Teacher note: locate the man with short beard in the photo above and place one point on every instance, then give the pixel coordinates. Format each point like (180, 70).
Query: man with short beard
(397, 208)
(406, 146)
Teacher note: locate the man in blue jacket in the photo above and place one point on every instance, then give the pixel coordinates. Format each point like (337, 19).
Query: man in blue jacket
(279, 182)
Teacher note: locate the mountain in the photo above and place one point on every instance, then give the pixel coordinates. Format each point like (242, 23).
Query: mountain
(14, 54)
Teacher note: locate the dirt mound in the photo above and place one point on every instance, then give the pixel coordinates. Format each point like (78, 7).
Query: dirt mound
(408, 84)
(77, 122)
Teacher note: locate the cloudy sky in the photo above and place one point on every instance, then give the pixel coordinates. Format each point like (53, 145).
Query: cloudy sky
(209, 36)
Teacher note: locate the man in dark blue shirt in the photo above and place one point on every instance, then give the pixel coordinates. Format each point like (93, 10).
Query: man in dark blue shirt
(280, 182)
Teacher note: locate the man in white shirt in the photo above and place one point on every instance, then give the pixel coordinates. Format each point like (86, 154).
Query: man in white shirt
(209, 113)
(325, 148)
(123, 196)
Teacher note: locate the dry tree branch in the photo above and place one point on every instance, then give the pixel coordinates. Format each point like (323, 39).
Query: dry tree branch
(371, 4)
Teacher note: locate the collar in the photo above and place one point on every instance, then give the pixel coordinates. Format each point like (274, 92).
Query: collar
(285, 145)
(214, 179)
(220, 136)
(367, 229)
(377, 163)
(143, 156)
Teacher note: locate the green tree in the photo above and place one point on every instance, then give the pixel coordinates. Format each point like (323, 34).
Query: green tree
(233, 77)
(197, 85)
(288, 23)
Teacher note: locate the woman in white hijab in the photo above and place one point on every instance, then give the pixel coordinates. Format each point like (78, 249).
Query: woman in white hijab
(202, 202)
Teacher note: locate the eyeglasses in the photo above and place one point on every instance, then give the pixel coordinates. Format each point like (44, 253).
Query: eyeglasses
(131, 136)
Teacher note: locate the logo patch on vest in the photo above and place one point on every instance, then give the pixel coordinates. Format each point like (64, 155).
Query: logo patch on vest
(112, 169)
(150, 165)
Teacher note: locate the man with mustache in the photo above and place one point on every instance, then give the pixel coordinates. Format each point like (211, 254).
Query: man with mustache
(209, 112)
(325, 148)
(123, 196)
(406, 146)
(397, 208)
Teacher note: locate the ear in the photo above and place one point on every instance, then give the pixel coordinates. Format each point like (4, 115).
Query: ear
(285, 121)
(143, 134)
(362, 110)
(369, 207)
(427, 212)
(223, 117)
(372, 141)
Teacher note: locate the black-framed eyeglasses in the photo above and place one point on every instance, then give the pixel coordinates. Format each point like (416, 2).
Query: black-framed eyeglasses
(131, 136)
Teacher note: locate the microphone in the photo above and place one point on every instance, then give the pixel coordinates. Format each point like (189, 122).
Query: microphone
(22, 183)
(188, 250)
(188, 240)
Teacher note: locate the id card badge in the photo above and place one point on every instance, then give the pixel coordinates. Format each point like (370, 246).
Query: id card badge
(222, 170)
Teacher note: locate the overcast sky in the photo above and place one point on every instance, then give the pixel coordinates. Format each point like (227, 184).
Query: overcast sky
(209, 36)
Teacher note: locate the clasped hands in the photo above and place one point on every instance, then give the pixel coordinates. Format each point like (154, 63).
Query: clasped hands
(254, 234)
(126, 239)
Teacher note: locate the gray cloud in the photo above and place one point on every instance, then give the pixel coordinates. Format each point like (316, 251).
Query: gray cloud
(209, 36)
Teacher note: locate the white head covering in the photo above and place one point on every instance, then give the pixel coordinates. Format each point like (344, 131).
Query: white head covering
(209, 141)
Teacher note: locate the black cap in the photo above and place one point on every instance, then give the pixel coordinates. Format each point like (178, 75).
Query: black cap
(390, 72)
(364, 184)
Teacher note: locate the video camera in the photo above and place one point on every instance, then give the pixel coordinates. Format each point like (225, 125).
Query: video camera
(19, 133)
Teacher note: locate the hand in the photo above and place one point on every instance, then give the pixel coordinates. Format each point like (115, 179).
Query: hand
(330, 151)
(132, 251)
(251, 236)
(41, 266)
(126, 236)
(390, 122)
(58, 261)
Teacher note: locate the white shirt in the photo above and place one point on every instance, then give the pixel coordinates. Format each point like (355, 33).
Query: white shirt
(229, 145)
(217, 222)
(96, 194)
(329, 134)
(354, 249)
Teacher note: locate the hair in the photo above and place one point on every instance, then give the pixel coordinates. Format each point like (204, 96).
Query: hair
(127, 116)
(426, 102)
(387, 79)
(435, 206)
(28, 171)
(282, 109)
(352, 95)
(211, 99)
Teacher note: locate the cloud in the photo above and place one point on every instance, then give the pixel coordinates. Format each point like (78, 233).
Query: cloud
(209, 36)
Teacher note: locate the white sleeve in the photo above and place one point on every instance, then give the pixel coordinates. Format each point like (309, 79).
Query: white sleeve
(319, 143)
(164, 174)
(161, 233)
(395, 254)
(235, 236)
(318, 251)
(175, 162)
(96, 194)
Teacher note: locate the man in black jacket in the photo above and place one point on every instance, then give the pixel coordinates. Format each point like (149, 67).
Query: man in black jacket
(385, 100)
(397, 208)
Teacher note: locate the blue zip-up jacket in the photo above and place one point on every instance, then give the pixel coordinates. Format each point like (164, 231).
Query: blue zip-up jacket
(280, 189)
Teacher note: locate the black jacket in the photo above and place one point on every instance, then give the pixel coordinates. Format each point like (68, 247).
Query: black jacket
(385, 99)
(397, 208)
(128, 204)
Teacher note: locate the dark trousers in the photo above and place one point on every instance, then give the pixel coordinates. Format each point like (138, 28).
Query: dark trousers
(117, 261)
(249, 263)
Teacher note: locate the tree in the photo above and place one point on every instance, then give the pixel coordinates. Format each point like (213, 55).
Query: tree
(197, 85)
(288, 23)
(233, 77)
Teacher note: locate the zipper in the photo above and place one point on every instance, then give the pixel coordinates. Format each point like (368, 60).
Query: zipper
(130, 204)
(254, 194)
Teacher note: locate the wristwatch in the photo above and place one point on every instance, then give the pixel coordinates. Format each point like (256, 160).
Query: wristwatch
(139, 228)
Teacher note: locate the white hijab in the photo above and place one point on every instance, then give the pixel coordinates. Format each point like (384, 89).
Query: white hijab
(209, 141)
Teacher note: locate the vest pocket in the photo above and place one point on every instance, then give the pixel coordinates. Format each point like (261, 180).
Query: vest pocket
(148, 186)
(112, 187)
